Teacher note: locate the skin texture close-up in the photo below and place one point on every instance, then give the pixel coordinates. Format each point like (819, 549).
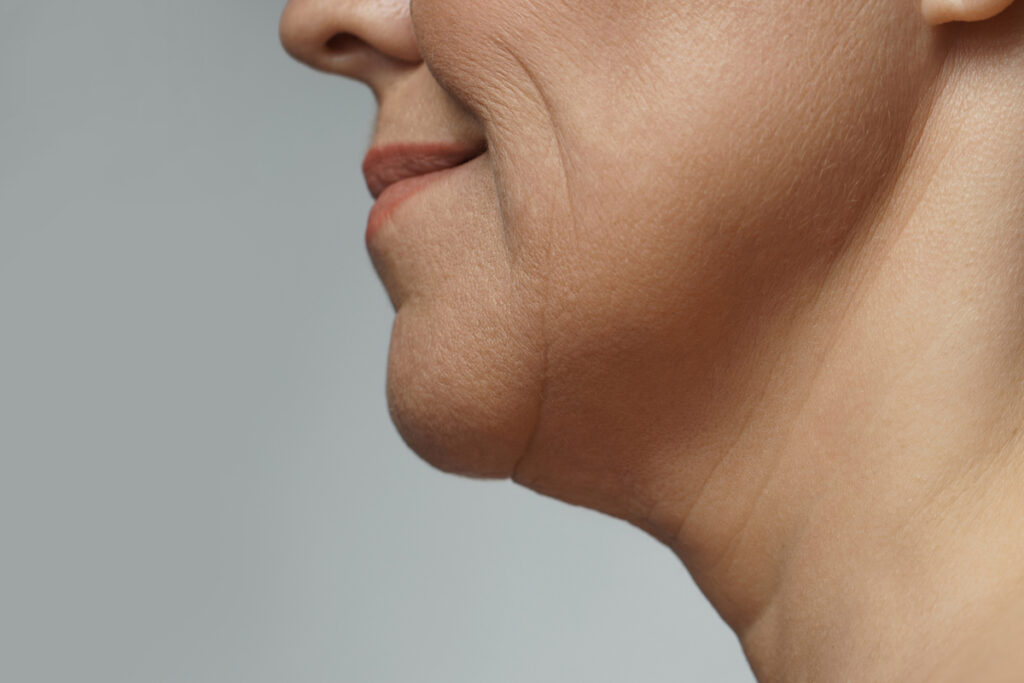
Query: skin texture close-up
(745, 274)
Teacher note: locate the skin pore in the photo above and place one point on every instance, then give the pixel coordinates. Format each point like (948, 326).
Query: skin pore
(777, 323)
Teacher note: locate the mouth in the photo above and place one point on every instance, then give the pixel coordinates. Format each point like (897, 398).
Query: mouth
(385, 166)
(396, 172)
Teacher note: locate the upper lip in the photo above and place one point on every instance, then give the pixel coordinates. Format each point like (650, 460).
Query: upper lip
(387, 164)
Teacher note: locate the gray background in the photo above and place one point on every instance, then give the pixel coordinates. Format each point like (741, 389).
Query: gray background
(198, 478)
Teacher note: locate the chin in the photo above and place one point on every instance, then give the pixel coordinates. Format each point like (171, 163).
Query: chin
(464, 397)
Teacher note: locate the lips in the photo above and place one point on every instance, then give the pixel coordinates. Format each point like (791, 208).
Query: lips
(397, 172)
(385, 166)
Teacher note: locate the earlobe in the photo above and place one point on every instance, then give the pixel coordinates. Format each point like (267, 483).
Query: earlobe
(943, 11)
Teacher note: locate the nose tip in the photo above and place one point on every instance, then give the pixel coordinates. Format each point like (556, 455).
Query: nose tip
(361, 39)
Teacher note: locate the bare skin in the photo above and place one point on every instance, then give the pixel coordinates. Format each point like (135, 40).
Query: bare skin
(881, 535)
(830, 435)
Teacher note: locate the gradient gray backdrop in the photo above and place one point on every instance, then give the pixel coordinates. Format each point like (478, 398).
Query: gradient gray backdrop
(198, 478)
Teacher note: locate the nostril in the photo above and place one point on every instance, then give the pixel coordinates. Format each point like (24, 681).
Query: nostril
(341, 43)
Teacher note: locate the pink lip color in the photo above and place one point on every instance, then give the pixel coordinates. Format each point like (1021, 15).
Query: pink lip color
(394, 195)
(397, 172)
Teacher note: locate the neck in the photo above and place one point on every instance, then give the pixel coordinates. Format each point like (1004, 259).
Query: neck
(870, 506)
(882, 473)
(861, 502)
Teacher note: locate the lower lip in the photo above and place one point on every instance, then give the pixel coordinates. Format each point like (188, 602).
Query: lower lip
(395, 194)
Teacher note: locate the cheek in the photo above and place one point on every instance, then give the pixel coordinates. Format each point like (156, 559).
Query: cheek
(709, 195)
(657, 195)
(480, 50)
(456, 40)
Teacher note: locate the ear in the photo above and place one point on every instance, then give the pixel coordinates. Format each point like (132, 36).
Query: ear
(942, 11)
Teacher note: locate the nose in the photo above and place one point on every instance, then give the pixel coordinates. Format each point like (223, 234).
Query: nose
(368, 40)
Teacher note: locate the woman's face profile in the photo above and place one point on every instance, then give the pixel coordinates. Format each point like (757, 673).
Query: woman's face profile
(743, 273)
(645, 180)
